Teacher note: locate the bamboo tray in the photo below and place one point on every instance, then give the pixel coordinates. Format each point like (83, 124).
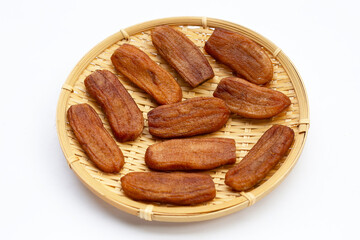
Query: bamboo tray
(245, 131)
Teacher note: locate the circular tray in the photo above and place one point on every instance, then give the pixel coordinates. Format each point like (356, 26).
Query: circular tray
(246, 132)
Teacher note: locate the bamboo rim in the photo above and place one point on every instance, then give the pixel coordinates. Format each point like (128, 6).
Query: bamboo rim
(183, 214)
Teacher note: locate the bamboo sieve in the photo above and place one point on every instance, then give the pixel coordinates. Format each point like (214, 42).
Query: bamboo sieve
(246, 132)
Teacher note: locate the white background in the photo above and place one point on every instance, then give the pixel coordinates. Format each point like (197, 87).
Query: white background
(41, 198)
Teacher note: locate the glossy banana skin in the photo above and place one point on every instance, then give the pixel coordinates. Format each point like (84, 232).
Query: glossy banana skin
(125, 118)
(265, 154)
(174, 188)
(191, 154)
(191, 117)
(97, 143)
(242, 55)
(182, 54)
(146, 74)
(249, 100)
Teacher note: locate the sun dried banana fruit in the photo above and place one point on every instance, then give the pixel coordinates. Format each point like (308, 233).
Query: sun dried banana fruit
(191, 154)
(97, 143)
(262, 157)
(182, 54)
(249, 100)
(174, 188)
(125, 118)
(242, 55)
(146, 74)
(194, 116)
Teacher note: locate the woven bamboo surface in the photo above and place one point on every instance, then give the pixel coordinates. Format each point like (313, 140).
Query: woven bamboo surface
(246, 132)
